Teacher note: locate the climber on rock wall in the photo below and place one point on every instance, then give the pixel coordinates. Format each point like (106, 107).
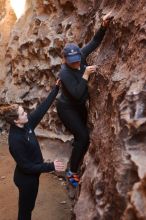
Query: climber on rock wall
(71, 104)
(25, 150)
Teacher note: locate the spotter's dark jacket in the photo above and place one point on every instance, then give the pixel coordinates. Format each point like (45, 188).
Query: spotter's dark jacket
(24, 146)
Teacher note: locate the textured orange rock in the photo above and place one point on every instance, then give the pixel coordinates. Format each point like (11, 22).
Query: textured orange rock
(114, 177)
(113, 183)
(7, 20)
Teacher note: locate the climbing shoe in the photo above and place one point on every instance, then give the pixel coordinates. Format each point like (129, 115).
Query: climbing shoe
(72, 178)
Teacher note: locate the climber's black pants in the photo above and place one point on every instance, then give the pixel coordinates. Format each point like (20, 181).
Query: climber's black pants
(27, 197)
(75, 119)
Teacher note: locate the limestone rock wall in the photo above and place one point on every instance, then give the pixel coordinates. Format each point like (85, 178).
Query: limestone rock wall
(7, 20)
(113, 182)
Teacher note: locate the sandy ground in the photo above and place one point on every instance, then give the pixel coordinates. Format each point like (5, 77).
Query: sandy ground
(52, 202)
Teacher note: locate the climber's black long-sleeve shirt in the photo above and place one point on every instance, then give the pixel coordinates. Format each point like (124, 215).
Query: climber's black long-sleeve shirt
(74, 87)
(23, 144)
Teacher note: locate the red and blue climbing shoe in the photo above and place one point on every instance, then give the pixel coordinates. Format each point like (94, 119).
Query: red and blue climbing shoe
(72, 178)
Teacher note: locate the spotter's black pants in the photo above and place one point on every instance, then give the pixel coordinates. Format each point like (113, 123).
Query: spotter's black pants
(28, 189)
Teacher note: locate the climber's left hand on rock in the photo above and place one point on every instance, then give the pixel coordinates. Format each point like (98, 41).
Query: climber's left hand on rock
(58, 82)
(107, 19)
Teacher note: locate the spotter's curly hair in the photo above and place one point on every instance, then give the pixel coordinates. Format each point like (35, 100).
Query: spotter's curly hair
(9, 112)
